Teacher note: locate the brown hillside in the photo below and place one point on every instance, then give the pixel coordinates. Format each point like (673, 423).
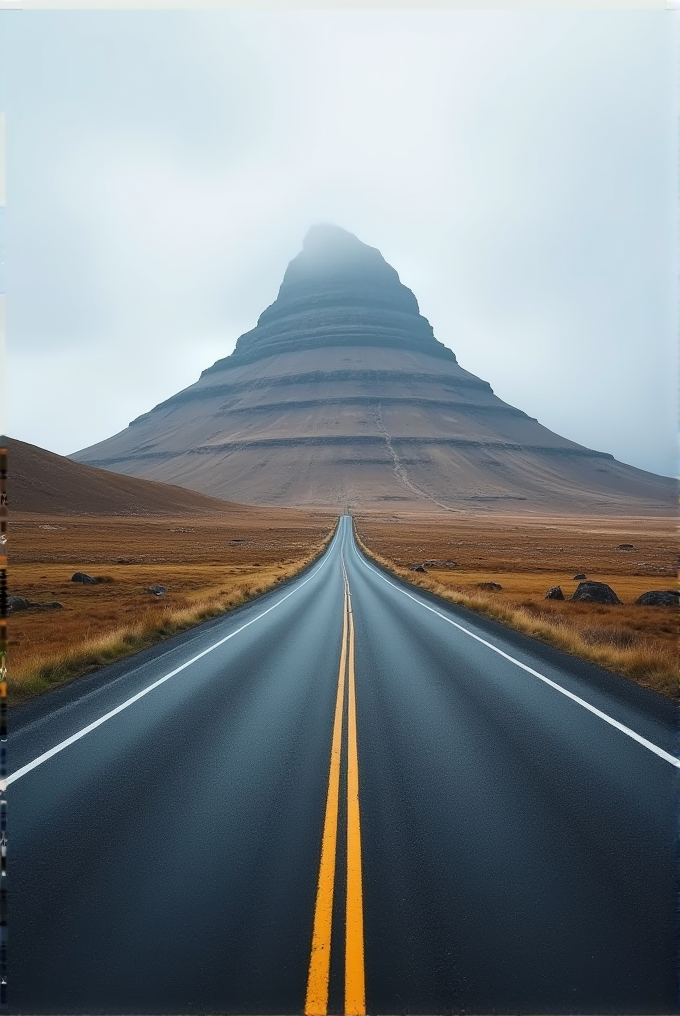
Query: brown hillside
(44, 483)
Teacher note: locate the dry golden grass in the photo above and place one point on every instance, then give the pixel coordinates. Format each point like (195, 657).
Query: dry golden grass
(208, 564)
(529, 555)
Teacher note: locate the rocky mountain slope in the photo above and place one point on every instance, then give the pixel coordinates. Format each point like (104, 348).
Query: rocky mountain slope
(342, 396)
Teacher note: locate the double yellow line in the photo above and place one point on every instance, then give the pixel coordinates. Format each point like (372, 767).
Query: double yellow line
(320, 961)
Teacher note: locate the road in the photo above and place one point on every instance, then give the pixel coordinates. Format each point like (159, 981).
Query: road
(348, 797)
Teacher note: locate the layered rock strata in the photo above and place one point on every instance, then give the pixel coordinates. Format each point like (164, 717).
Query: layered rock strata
(338, 292)
(342, 396)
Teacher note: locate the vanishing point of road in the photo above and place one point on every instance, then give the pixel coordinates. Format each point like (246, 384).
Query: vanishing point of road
(344, 797)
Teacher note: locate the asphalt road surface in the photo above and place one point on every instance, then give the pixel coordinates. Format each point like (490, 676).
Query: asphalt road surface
(345, 797)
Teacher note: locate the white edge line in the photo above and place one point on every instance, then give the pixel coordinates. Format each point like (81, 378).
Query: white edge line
(553, 684)
(161, 680)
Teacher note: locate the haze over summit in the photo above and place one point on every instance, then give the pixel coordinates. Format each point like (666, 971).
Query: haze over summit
(517, 168)
(342, 396)
(338, 291)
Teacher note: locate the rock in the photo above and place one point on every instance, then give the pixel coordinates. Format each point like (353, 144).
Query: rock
(491, 586)
(158, 590)
(555, 593)
(579, 576)
(21, 603)
(440, 564)
(595, 592)
(18, 603)
(417, 567)
(659, 598)
(625, 546)
(80, 576)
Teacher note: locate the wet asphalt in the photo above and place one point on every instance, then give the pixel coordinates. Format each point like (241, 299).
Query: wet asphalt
(517, 850)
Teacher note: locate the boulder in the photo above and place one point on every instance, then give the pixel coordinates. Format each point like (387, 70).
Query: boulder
(492, 587)
(579, 576)
(555, 593)
(21, 603)
(17, 603)
(625, 546)
(80, 576)
(416, 567)
(158, 590)
(659, 598)
(595, 592)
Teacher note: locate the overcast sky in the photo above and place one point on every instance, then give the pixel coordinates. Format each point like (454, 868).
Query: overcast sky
(518, 170)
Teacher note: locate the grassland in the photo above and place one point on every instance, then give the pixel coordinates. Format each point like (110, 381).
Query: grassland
(527, 555)
(209, 564)
(212, 563)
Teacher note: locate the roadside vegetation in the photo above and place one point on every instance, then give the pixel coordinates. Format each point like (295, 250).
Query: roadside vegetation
(525, 557)
(206, 567)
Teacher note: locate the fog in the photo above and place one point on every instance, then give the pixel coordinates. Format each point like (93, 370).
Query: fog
(518, 169)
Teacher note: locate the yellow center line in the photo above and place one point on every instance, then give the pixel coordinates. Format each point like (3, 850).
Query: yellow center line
(319, 965)
(355, 991)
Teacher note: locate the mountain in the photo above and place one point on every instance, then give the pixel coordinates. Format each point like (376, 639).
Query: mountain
(342, 396)
(47, 484)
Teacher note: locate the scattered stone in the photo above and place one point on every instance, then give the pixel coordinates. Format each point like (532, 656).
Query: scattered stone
(80, 576)
(158, 590)
(555, 593)
(625, 546)
(491, 586)
(416, 567)
(659, 598)
(18, 603)
(232, 543)
(579, 576)
(595, 592)
(21, 603)
(440, 564)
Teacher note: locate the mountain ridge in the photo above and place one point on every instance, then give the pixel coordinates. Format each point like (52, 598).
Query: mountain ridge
(335, 270)
(342, 395)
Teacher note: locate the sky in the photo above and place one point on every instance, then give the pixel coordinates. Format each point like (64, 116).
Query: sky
(517, 168)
